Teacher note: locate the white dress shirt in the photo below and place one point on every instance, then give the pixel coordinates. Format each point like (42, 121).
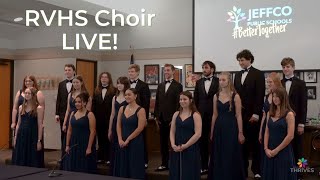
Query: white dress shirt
(168, 84)
(207, 83)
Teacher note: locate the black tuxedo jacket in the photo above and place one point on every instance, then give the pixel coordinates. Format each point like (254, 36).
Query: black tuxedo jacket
(167, 103)
(62, 99)
(252, 92)
(204, 100)
(144, 96)
(101, 108)
(298, 99)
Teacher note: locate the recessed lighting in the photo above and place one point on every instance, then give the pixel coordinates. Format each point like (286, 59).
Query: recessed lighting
(18, 19)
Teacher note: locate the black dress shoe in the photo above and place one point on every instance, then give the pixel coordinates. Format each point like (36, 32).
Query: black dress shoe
(100, 161)
(204, 171)
(162, 168)
(257, 176)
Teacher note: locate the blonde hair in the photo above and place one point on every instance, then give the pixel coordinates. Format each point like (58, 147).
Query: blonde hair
(136, 67)
(230, 87)
(276, 80)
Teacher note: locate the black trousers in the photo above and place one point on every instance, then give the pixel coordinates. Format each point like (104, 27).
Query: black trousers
(297, 148)
(164, 142)
(204, 140)
(251, 146)
(103, 142)
(63, 137)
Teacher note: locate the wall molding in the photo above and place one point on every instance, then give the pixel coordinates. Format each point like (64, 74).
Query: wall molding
(120, 55)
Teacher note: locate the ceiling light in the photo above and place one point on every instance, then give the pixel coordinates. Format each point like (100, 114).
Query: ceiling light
(18, 19)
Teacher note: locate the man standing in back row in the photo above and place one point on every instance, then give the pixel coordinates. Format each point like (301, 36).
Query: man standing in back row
(204, 91)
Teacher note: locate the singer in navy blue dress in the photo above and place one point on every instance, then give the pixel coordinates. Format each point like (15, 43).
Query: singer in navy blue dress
(273, 81)
(118, 101)
(277, 141)
(226, 161)
(80, 145)
(28, 142)
(184, 135)
(129, 160)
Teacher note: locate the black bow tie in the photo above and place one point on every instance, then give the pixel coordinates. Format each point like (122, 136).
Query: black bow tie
(135, 81)
(104, 87)
(245, 70)
(169, 81)
(287, 79)
(207, 79)
(69, 81)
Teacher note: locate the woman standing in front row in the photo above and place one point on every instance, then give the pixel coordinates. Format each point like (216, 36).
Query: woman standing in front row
(129, 160)
(28, 142)
(184, 135)
(226, 161)
(278, 136)
(118, 101)
(80, 144)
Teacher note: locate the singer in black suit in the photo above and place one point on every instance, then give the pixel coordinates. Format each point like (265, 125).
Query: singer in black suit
(143, 97)
(297, 92)
(64, 88)
(101, 108)
(167, 103)
(250, 85)
(204, 91)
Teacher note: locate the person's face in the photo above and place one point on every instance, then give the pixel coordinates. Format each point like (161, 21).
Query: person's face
(76, 84)
(270, 84)
(130, 96)
(184, 101)
(168, 73)
(287, 70)
(133, 74)
(79, 103)
(68, 72)
(104, 79)
(276, 99)
(244, 63)
(207, 71)
(120, 86)
(223, 81)
(28, 82)
(27, 94)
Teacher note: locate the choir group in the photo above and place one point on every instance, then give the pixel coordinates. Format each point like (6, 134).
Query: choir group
(213, 132)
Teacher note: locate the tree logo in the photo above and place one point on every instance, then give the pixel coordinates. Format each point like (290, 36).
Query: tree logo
(236, 16)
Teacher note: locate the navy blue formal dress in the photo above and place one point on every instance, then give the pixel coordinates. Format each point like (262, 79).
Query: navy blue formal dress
(129, 161)
(77, 160)
(114, 139)
(266, 108)
(72, 105)
(185, 164)
(26, 153)
(278, 167)
(226, 161)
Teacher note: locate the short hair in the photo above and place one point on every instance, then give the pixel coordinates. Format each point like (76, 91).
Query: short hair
(171, 66)
(70, 66)
(136, 67)
(288, 60)
(245, 54)
(210, 63)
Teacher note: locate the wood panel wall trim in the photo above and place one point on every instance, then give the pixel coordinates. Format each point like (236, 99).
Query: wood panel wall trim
(120, 55)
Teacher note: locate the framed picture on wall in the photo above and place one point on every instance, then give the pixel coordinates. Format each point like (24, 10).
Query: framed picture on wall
(191, 77)
(312, 92)
(177, 74)
(298, 74)
(151, 74)
(310, 76)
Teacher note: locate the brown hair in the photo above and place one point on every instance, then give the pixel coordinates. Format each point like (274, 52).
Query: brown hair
(288, 60)
(276, 80)
(33, 102)
(70, 66)
(125, 81)
(171, 66)
(83, 87)
(33, 79)
(281, 93)
(230, 88)
(84, 96)
(192, 105)
(110, 88)
(136, 67)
